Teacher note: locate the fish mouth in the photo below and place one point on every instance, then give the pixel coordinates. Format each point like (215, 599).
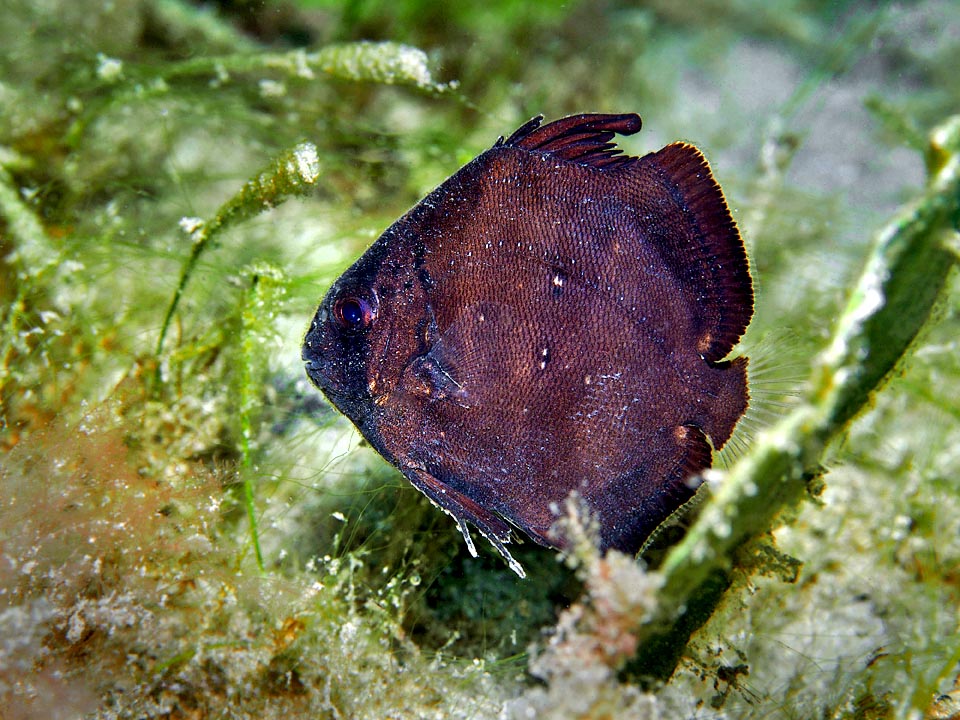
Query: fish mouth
(353, 407)
(314, 371)
(310, 355)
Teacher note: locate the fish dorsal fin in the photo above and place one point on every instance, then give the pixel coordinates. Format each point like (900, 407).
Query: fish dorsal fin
(710, 256)
(581, 139)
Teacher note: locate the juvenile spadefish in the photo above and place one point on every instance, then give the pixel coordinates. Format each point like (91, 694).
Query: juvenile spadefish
(554, 317)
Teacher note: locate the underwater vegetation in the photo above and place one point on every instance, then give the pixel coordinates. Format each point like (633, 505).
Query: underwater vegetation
(188, 530)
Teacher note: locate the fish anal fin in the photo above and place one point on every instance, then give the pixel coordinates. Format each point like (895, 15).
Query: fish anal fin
(692, 454)
(581, 139)
(714, 259)
(697, 454)
(464, 510)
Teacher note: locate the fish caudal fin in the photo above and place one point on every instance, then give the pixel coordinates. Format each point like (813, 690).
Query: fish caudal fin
(730, 402)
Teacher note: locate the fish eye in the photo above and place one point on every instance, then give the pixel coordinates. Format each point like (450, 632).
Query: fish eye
(352, 313)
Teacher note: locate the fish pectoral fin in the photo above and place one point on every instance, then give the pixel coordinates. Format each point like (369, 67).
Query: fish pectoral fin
(430, 378)
(457, 365)
(464, 510)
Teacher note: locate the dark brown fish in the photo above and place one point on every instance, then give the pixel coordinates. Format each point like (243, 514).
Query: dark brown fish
(554, 317)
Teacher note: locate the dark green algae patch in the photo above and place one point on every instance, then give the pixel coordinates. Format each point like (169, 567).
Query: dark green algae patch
(143, 478)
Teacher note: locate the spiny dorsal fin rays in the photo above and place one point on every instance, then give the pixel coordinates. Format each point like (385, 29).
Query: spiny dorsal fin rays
(581, 139)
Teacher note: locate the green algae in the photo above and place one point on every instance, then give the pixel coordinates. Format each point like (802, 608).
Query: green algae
(215, 542)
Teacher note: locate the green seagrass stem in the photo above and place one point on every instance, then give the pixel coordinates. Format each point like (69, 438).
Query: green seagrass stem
(294, 172)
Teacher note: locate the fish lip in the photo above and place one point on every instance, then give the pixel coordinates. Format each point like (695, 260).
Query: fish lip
(353, 408)
(312, 362)
(313, 369)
